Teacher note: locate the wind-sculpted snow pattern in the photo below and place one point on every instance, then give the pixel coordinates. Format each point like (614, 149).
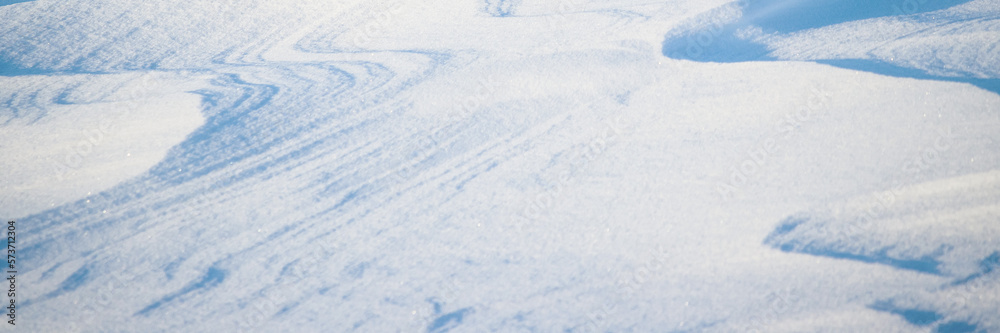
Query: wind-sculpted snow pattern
(946, 227)
(501, 165)
(953, 40)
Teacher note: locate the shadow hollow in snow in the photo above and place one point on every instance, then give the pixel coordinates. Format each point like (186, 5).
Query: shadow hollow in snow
(213, 277)
(8, 3)
(956, 327)
(883, 68)
(786, 16)
(986, 266)
(73, 282)
(501, 8)
(11, 69)
(725, 34)
(913, 316)
(737, 32)
(923, 318)
(781, 239)
(448, 321)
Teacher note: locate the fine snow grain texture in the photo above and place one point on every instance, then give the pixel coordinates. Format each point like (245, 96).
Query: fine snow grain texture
(946, 227)
(476, 166)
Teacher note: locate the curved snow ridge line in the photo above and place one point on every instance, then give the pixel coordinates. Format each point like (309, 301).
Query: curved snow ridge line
(213, 277)
(969, 306)
(79, 231)
(69, 135)
(241, 110)
(922, 317)
(12, 2)
(236, 107)
(750, 24)
(934, 41)
(945, 227)
(945, 43)
(316, 41)
(29, 104)
(195, 153)
(335, 224)
(30, 98)
(76, 231)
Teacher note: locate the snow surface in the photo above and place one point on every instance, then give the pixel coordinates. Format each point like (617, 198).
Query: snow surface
(500, 165)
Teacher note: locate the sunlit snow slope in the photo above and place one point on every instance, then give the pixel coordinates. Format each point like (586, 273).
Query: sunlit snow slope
(498, 165)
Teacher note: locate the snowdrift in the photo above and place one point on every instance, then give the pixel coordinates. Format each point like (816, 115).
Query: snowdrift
(938, 40)
(946, 227)
(498, 166)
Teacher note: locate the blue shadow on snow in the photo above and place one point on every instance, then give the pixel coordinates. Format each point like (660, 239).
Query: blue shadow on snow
(787, 16)
(782, 239)
(924, 318)
(11, 2)
(723, 35)
(10, 69)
